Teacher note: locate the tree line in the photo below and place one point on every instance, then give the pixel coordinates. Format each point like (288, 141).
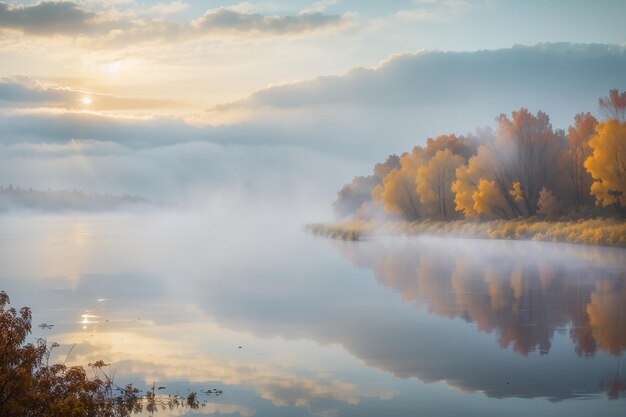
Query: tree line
(15, 196)
(523, 168)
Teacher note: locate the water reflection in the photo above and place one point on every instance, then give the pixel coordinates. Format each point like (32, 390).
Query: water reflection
(525, 294)
(380, 327)
(523, 299)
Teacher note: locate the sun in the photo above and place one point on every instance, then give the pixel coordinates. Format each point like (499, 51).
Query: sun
(114, 67)
(86, 100)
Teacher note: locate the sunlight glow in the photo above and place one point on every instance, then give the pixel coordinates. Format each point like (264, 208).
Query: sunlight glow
(88, 319)
(113, 67)
(87, 100)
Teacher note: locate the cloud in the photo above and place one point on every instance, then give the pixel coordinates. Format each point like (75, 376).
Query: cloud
(132, 132)
(20, 90)
(335, 126)
(232, 21)
(410, 97)
(168, 8)
(25, 92)
(111, 27)
(435, 77)
(433, 10)
(321, 5)
(163, 159)
(278, 385)
(55, 17)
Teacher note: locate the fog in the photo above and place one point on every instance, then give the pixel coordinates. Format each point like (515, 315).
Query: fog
(295, 143)
(171, 294)
(213, 280)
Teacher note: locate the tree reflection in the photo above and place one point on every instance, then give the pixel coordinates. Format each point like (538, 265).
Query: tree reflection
(616, 384)
(523, 299)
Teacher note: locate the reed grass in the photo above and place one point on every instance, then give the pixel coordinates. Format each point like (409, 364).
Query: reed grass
(599, 231)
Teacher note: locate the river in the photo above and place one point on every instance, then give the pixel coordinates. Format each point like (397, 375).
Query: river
(289, 324)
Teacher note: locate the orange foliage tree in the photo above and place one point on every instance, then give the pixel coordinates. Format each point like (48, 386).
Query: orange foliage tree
(31, 387)
(614, 105)
(517, 165)
(577, 180)
(548, 204)
(526, 168)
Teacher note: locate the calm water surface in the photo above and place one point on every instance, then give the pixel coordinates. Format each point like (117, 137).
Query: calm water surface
(288, 324)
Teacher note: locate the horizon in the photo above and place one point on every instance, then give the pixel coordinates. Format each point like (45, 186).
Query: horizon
(332, 84)
(295, 208)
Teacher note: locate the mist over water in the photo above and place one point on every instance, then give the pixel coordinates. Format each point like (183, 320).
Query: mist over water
(164, 166)
(233, 294)
(213, 283)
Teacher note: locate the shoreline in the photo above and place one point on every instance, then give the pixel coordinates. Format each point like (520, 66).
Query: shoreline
(592, 232)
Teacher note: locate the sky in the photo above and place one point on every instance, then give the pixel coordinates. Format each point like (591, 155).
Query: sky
(168, 99)
(183, 56)
(247, 117)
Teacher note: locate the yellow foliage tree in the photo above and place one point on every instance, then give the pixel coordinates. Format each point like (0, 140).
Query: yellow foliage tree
(474, 184)
(488, 199)
(463, 188)
(397, 191)
(467, 179)
(607, 163)
(434, 182)
(458, 145)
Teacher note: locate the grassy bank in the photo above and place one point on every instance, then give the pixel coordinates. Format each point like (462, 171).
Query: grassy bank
(602, 232)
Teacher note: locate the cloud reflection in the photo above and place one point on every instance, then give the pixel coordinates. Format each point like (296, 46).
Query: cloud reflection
(171, 353)
(508, 319)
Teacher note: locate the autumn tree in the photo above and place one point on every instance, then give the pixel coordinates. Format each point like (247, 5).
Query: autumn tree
(355, 194)
(526, 150)
(19, 360)
(32, 387)
(397, 192)
(489, 201)
(607, 164)
(476, 194)
(614, 105)
(577, 181)
(401, 192)
(464, 146)
(518, 164)
(382, 169)
(434, 182)
(548, 205)
(525, 168)
(28, 386)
